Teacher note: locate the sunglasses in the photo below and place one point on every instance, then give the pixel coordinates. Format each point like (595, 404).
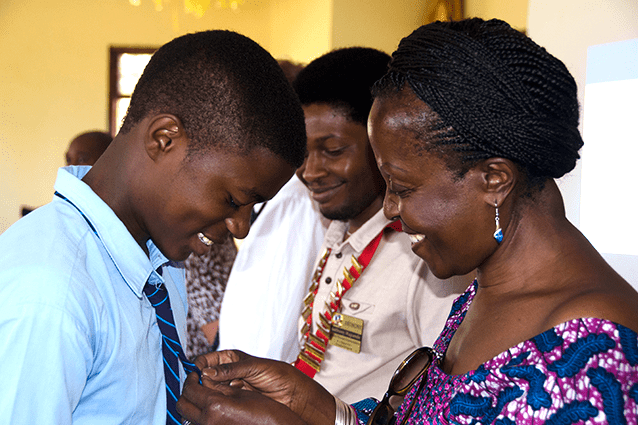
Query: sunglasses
(404, 378)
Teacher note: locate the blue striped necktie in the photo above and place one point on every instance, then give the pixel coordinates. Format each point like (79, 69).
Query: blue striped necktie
(171, 348)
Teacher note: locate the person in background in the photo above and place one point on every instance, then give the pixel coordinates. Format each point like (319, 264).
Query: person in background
(84, 149)
(206, 278)
(396, 305)
(87, 147)
(290, 68)
(470, 127)
(92, 294)
(370, 301)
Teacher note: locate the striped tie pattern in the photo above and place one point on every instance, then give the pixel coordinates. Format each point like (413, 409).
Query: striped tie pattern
(171, 348)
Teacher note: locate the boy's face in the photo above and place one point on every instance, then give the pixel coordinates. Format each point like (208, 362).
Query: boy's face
(212, 194)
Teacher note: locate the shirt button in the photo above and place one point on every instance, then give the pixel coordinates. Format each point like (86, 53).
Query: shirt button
(338, 255)
(328, 280)
(355, 306)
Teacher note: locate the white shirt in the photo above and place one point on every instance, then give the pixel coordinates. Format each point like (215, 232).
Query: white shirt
(402, 305)
(270, 275)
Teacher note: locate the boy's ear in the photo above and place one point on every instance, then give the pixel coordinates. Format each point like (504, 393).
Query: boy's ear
(499, 179)
(162, 133)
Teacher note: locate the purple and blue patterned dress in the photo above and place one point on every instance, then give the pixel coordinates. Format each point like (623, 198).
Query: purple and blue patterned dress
(584, 371)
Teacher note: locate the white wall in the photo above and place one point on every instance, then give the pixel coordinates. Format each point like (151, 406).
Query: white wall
(566, 28)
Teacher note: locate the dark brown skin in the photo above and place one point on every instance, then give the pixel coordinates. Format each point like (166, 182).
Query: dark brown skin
(255, 390)
(543, 273)
(340, 169)
(146, 180)
(565, 279)
(85, 150)
(342, 175)
(223, 404)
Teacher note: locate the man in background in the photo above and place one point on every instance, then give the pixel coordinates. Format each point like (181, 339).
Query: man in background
(371, 301)
(352, 330)
(86, 148)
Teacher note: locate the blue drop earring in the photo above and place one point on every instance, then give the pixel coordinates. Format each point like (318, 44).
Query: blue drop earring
(498, 233)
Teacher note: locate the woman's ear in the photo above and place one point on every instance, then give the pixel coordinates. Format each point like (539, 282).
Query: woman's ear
(499, 179)
(162, 133)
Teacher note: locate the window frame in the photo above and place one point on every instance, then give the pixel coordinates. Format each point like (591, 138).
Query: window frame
(114, 65)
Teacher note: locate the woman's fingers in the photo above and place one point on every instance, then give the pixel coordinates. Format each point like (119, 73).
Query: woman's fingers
(215, 403)
(218, 357)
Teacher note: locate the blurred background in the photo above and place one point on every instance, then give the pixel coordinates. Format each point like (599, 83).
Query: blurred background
(65, 68)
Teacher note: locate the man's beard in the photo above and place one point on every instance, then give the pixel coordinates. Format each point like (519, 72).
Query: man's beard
(350, 210)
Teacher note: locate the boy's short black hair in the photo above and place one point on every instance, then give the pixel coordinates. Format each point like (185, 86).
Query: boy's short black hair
(228, 92)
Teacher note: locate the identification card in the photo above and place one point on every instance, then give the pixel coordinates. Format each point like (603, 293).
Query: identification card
(346, 332)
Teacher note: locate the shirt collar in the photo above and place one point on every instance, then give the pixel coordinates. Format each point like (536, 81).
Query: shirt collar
(134, 265)
(359, 239)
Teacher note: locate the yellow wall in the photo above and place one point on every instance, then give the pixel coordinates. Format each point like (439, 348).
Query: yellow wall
(513, 12)
(53, 78)
(381, 23)
(300, 29)
(54, 66)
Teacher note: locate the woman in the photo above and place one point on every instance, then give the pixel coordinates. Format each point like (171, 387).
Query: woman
(470, 127)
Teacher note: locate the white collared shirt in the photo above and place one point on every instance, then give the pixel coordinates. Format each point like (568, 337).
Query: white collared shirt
(403, 307)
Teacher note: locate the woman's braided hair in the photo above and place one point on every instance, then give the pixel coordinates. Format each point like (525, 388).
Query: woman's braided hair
(496, 94)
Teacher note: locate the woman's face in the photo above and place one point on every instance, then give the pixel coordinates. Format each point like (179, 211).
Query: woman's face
(448, 220)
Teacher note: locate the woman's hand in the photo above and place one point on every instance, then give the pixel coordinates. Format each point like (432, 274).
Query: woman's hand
(214, 403)
(277, 380)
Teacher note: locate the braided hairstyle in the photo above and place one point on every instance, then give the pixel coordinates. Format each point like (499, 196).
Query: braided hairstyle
(494, 93)
(342, 79)
(228, 92)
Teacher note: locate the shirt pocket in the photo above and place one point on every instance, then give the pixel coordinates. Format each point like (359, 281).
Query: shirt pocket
(355, 308)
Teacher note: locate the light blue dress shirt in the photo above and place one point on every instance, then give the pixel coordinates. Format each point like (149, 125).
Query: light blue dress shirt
(79, 342)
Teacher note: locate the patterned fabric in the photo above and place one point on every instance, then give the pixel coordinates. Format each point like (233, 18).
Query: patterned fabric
(582, 371)
(171, 347)
(206, 278)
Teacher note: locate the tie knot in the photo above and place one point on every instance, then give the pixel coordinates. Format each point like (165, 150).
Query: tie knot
(156, 294)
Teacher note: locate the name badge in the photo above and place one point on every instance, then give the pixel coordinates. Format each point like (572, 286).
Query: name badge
(346, 332)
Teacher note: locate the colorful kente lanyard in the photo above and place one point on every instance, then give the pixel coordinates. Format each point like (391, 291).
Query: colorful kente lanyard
(314, 345)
